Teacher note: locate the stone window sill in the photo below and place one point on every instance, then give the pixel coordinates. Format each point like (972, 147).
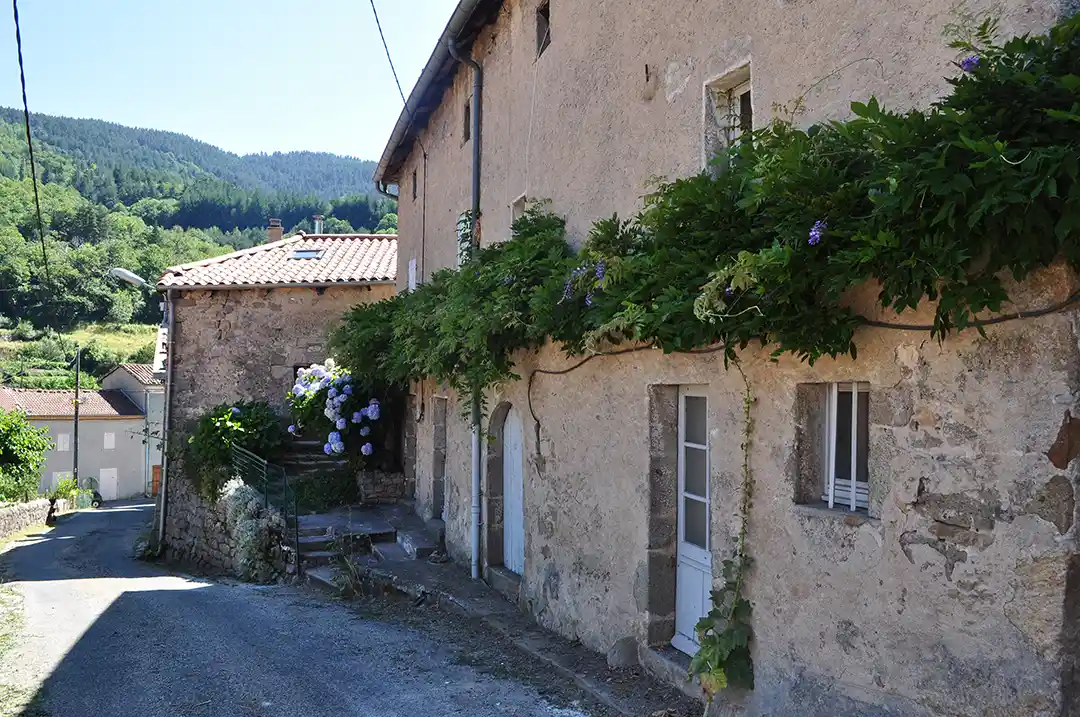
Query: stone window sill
(823, 512)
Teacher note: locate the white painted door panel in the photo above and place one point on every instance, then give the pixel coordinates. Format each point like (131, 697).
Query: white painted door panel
(693, 577)
(108, 484)
(513, 494)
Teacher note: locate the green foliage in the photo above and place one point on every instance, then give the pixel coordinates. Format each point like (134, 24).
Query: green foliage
(22, 453)
(67, 489)
(939, 203)
(25, 331)
(388, 224)
(144, 354)
(249, 424)
(325, 492)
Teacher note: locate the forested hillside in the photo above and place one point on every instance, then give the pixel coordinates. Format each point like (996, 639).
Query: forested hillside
(145, 200)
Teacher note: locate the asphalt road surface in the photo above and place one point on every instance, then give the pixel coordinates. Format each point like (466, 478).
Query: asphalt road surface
(103, 635)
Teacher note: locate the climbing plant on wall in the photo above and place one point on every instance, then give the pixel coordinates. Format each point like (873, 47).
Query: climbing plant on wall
(942, 203)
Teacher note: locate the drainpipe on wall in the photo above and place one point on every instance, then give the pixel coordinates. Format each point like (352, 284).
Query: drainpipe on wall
(477, 113)
(171, 322)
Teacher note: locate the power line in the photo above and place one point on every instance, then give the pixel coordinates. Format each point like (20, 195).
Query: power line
(30, 143)
(393, 70)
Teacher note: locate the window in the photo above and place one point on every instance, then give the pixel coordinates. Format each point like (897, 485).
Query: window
(306, 254)
(110, 441)
(543, 28)
(517, 209)
(63, 442)
(466, 131)
(694, 469)
(729, 111)
(847, 439)
(412, 274)
(414, 185)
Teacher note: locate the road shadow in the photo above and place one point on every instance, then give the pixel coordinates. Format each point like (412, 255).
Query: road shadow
(84, 544)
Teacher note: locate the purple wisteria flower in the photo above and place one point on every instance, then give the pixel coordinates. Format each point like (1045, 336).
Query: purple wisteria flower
(340, 424)
(817, 231)
(969, 63)
(601, 270)
(507, 280)
(568, 290)
(588, 299)
(729, 292)
(367, 449)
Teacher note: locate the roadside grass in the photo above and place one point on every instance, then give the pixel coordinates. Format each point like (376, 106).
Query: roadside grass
(15, 701)
(20, 702)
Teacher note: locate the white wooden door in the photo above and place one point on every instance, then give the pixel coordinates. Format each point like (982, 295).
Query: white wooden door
(108, 484)
(693, 580)
(513, 494)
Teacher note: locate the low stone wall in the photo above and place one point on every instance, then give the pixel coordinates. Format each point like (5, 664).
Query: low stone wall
(382, 487)
(197, 532)
(20, 516)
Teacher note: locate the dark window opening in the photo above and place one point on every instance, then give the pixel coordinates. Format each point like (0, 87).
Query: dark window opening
(307, 254)
(746, 114)
(414, 185)
(543, 28)
(466, 132)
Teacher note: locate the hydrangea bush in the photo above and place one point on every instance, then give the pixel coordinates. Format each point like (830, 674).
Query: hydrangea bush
(258, 532)
(325, 400)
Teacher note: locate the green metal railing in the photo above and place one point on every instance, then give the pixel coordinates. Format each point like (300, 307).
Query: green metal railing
(273, 482)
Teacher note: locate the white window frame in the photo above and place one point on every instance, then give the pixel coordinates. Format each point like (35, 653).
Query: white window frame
(412, 274)
(110, 441)
(696, 552)
(850, 493)
(728, 104)
(63, 442)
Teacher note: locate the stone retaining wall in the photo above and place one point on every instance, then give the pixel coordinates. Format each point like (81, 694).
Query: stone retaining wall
(382, 486)
(196, 531)
(20, 516)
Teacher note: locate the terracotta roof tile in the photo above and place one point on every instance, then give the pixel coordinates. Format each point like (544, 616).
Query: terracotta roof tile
(92, 404)
(332, 259)
(143, 373)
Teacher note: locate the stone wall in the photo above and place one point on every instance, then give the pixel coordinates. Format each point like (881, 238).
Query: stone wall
(20, 516)
(196, 531)
(383, 486)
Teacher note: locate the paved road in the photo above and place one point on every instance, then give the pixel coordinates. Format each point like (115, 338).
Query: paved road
(107, 636)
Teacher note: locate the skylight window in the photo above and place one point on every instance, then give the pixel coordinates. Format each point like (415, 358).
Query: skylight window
(306, 254)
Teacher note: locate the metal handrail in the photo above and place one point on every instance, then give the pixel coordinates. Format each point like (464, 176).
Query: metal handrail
(276, 489)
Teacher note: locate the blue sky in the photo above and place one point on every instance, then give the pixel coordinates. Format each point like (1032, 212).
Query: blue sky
(245, 75)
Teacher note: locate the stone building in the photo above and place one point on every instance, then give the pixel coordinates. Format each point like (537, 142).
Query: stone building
(944, 578)
(241, 325)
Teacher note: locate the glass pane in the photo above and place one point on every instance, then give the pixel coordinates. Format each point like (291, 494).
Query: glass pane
(863, 474)
(843, 435)
(695, 523)
(696, 471)
(746, 113)
(696, 420)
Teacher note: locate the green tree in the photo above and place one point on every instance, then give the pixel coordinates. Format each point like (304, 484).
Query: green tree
(387, 225)
(22, 453)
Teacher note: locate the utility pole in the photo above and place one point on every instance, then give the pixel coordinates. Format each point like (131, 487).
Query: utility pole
(75, 457)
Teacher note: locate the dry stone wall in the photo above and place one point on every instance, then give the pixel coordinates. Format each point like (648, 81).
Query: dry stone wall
(20, 516)
(197, 532)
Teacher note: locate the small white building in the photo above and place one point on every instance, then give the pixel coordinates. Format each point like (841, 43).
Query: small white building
(114, 445)
(145, 386)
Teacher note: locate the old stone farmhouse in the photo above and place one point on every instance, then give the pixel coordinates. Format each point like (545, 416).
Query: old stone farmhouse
(241, 324)
(943, 580)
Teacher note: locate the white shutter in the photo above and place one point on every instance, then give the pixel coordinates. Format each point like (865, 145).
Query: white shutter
(63, 442)
(412, 274)
(110, 441)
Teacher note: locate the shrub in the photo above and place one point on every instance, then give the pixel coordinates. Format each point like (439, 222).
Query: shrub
(249, 424)
(144, 354)
(256, 530)
(326, 400)
(22, 453)
(25, 331)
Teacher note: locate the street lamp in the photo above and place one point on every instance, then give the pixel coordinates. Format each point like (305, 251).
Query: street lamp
(128, 276)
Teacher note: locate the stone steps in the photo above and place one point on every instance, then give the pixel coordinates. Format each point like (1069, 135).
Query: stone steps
(416, 545)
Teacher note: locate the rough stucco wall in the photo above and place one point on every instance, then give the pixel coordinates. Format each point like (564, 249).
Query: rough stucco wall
(576, 126)
(963, 575)
(951, 600)
(128, 456)
(243, 345)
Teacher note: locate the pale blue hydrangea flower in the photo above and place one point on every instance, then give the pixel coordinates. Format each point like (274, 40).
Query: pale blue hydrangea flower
(969, 63)
(328, 449)
(357, 417)
(334, 437)
(367, 449)
(365, 430)
(235, 411)
(340, 424)
(338, 448)
(292, 429)
(332, 393)
(347, 390)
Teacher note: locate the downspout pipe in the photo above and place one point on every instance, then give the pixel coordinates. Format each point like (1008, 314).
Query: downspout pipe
(170, 311)
(477, 442)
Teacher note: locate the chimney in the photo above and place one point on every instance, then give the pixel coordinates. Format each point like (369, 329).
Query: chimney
(275, 232)
(318, 220)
